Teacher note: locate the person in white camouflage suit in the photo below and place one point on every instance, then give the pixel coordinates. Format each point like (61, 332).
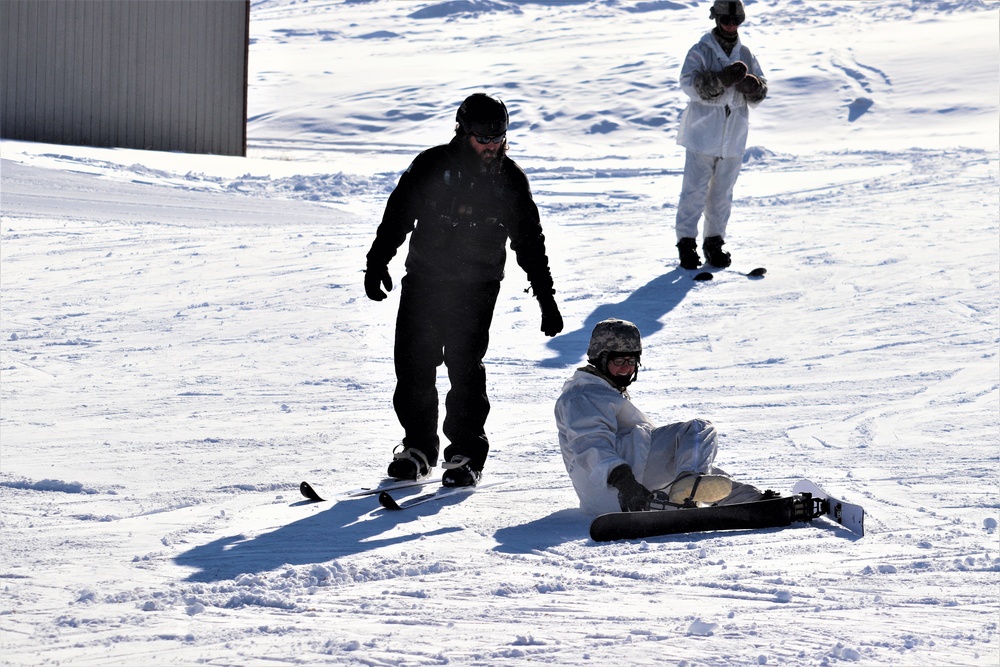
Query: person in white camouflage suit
(617, 459)
(723, 80)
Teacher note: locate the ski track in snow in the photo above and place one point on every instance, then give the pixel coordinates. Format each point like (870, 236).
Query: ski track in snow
(184, 339)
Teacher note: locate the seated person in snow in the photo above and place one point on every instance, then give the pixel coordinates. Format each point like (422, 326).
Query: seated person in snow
(617, 459)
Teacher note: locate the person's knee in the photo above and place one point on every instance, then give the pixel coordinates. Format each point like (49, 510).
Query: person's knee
(701, 426)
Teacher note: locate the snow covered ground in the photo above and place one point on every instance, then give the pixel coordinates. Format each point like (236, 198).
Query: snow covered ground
(185, 338)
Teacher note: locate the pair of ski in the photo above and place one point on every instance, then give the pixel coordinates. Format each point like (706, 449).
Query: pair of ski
(808, 502)
(385, 499)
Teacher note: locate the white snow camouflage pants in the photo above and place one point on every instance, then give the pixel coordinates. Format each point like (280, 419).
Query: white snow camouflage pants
(707, 188)
(689, 446)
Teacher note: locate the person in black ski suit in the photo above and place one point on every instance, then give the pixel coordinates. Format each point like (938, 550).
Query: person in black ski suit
(462, 201)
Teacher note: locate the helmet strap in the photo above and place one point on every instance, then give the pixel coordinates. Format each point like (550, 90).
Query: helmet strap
(621, 382)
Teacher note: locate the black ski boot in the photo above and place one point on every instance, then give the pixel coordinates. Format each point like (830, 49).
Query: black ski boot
(714, 254)
(409, 463)
(459, 472)
(688, 250)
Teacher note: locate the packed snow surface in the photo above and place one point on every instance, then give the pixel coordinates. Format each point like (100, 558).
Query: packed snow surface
(184, 338)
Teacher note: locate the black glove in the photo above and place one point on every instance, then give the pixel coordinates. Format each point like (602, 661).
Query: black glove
(373, 278)
(632, 496)
(750, 86)
(552, 322)
(733, 74)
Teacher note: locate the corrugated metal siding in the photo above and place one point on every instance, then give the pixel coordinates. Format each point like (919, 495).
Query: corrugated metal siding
(153, 74)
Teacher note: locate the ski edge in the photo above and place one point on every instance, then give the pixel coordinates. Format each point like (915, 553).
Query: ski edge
(310, 493)
(778, 513)
(389, 486)
(391, 504)
(755, 274)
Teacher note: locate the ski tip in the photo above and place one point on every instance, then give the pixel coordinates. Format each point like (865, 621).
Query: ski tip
(757, 273)
(306, 490)
(387, 501)
(704, 275)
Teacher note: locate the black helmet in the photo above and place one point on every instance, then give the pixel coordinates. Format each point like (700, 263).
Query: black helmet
(729, 9)
(483, 115)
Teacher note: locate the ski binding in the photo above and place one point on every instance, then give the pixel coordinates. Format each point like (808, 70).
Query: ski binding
(848, 515)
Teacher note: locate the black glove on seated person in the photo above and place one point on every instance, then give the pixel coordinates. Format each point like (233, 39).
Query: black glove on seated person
(632, 496)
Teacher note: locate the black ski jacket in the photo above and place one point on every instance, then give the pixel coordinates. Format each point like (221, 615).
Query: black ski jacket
(461, 215)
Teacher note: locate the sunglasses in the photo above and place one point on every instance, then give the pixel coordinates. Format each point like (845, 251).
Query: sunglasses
(623, 361)
(482, 139)
(730, 20)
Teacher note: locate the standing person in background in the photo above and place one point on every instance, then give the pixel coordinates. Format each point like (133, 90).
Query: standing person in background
(723, 80)
(462, 201)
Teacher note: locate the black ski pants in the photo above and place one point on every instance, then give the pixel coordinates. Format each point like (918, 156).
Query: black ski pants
(444, 322)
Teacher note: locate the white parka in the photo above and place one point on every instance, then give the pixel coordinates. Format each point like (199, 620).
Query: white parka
(599, 429)
(716, 127)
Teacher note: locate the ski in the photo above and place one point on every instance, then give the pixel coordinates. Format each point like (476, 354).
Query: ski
(759, 272)
(390, 503)
(771, 513)
(310, 493)
(848, 515)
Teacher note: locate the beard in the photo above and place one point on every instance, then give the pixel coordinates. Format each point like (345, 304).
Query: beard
(491, 154)
(490, 159)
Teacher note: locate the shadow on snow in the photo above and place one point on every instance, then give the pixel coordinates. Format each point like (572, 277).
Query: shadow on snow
(560, 527)
(644, 307)
(350, 526)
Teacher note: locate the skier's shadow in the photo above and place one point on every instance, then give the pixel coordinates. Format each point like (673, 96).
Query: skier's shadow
(345, 528)
(643, 307)
(560, 527)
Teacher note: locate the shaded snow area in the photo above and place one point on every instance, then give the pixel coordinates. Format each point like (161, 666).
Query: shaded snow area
(184, 338)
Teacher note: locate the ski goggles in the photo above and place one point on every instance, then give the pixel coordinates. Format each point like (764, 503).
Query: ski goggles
(731, 20)
(483, 139)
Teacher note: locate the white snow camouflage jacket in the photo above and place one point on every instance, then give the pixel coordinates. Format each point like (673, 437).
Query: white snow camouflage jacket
(599, 429)
(716, 127)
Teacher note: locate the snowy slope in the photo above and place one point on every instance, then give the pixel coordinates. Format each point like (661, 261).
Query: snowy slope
(184, 338)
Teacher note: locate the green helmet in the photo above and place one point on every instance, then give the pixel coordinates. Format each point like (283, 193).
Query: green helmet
(614, 336)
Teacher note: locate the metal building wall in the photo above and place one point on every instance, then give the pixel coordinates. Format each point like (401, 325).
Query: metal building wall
(165, 75)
